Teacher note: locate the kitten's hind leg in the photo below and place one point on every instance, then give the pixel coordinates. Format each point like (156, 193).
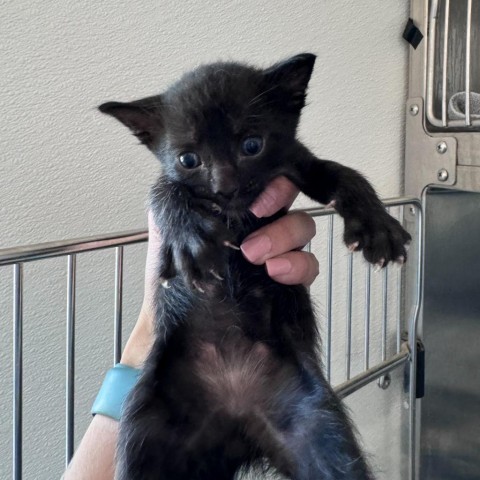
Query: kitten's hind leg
(323, 442)
(152, 448)
(303, 409)
(159, 442)
(308, 436)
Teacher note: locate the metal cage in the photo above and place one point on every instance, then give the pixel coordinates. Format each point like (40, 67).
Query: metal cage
(443, 107)
(396, 352)
(453, 75)
(442, 165)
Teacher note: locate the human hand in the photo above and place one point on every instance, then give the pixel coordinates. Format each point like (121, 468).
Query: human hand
(141, 338)
(275, 244)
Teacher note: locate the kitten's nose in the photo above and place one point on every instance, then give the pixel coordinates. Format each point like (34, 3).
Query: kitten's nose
(227, 189)
(224, 181)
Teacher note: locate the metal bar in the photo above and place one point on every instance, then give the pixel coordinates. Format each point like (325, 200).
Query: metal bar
(432, 29)
(9, 256)
(384, 313)
(399, 309)
(329, 295)
(459, 123)
(467, 63)
(368, 284)
(18, 369)
(399, 294)
(308, 247)
(384, 382)
(372, 374)
(117, 326)
(412, 340)
(348, 353)
(445, 65)
(70, 366)
(322, 211)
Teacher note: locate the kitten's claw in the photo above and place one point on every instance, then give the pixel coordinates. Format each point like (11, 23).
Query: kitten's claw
(353, 246)
(400, 260)
(215, 274)
(230, 245)
(198, 287)
(331, 204)
(379, 265)
(216, 208)
(165, 284)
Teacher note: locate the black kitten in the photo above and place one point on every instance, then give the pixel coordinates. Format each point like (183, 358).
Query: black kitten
(234, 376)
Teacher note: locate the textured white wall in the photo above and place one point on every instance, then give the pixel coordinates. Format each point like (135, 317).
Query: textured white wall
(66, 171)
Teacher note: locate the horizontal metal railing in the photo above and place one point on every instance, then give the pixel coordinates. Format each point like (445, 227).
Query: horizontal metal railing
(72, 248)
(29, 253)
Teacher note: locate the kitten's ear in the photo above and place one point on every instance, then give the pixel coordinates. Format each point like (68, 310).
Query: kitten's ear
(142, 117)
(292, 76)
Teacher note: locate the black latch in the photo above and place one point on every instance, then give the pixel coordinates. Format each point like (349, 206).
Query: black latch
(420, 369)
(412, 34)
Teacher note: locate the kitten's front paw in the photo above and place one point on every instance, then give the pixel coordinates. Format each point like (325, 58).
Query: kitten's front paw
(380, 236)
(199, 259)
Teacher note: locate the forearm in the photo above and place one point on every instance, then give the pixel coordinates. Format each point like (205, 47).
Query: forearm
(326, 181)
(95, 456)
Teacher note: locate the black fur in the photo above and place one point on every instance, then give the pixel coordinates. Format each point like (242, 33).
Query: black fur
(234, 376)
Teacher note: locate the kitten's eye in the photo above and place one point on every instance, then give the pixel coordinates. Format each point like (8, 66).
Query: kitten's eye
(189, 160)
(252, 145)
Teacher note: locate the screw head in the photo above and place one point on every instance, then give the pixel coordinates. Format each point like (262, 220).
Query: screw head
(442, 175)
(442, 147)
(412, 210)
(414, 109)
(384, 382)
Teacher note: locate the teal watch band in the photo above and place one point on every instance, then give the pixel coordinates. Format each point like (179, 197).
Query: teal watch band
(118, 383)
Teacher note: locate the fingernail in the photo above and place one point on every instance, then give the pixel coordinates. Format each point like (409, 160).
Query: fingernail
(258, 209)
(278, 266)
(263, 205)
(256, 248)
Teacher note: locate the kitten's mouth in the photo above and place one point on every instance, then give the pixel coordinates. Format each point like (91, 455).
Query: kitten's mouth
(230, 204)
(243, 199)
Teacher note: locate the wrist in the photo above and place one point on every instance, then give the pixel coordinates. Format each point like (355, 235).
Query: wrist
(140, 341)
(116, 387)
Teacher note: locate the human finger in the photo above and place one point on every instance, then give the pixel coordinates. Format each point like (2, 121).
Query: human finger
(293, 268)
(278, 194)
(289, 232)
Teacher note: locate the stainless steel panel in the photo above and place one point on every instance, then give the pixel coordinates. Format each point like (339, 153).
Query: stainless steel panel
(450, 417)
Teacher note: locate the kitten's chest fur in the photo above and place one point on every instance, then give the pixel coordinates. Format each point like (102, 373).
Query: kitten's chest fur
(225, 355)
(241, 300)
